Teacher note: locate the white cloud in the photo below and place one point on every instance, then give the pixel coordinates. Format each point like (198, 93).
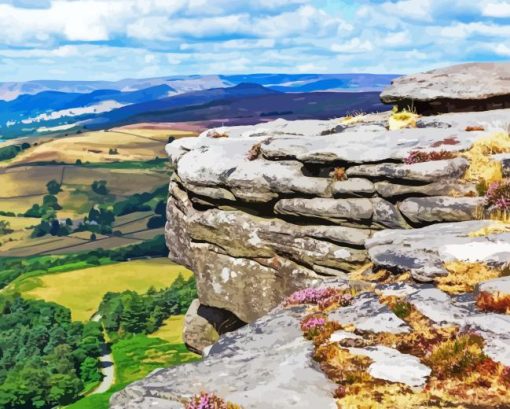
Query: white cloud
(353, 46)
(499, 10)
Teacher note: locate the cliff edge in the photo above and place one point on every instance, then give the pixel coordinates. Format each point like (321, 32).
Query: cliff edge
(368, 253)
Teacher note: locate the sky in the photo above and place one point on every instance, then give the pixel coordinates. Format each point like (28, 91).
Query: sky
(115, 39)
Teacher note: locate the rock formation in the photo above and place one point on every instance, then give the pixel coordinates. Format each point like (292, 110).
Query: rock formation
(465, 87)
(391, 229)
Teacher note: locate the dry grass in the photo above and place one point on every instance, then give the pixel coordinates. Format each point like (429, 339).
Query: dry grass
(402, 120)
(497, 227)
(353, 119)
(463, 277)
(483, 169)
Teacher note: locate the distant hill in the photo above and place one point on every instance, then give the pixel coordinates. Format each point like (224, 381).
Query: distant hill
(41, 107)
(236, 109)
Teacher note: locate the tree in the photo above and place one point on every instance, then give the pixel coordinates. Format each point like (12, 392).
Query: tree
(99, 187)
(89, 370)
(5, 227)
(53, 187)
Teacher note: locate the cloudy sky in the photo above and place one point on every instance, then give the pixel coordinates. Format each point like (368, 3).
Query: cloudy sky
(113, 39)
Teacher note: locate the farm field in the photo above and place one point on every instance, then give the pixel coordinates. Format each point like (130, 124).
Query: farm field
(82, 290)
(52, 248)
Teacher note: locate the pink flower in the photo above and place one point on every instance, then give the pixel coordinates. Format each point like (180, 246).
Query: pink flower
(313, 323)
(310, 296)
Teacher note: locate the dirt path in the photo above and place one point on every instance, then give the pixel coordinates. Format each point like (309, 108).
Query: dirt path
(107, 366)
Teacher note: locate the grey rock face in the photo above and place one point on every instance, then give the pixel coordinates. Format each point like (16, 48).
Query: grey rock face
(198, 333)
(442, 209)
(283, 204)
(465, 87)
(424, 251)
(418, 172)
(443, 188)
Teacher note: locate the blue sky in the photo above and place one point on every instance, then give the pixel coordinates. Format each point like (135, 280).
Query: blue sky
(114, 39)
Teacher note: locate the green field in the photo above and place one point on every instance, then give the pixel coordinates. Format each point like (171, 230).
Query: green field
(83, 289)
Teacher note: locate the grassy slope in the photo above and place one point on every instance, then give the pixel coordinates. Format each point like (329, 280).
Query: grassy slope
(82, 290)
(138, 356)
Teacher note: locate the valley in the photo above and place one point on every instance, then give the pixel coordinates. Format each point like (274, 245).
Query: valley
(81, 216)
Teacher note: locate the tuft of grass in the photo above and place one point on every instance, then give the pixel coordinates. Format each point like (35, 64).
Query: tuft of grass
(483, 169)
(404, 119)
(402, 309)
(457, 357)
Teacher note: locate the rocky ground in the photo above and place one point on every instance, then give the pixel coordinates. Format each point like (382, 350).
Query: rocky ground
(398, 225)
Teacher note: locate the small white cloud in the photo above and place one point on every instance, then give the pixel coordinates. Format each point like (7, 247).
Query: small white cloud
(353, 46)
(498, 10)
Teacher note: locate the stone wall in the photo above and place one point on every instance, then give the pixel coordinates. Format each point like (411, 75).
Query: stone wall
(258, 212)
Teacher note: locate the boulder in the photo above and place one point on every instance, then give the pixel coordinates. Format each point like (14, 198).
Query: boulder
(198, 333)
(458, 88)
(425, 210)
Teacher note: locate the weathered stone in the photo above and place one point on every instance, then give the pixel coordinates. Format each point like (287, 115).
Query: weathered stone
(444, 188)
(368, 314)
(424, 251)
(242, 235)
(386, 215)
(341, 211)
(353, 187)
(418, 172)
(198, 333)
(442, 209)
(465, 87)
(264, 365)
(367, 147)
(244, 286)
(216, 193)
(496, 286)
(391, 365)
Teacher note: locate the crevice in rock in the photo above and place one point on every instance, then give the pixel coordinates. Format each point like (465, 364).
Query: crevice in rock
(445, 105)
(222, 320)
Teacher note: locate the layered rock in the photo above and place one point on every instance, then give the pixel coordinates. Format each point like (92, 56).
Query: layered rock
(259, 212)
(465, 87)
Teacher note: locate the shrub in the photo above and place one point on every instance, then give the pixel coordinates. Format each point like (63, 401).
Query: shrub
(254, 152)
(99, 187)
(457, 357)
(338, 174)
(494, 302)
(53, 187)
(420, 156)
(209, 401)
(498, 195)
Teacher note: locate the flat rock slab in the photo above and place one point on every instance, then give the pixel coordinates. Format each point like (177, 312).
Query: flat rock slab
(393, 366)
(424, 251)
(363, 212)
(465, 87)
(266, 365)
(426, 210)
(419, 172)
(495, 286)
